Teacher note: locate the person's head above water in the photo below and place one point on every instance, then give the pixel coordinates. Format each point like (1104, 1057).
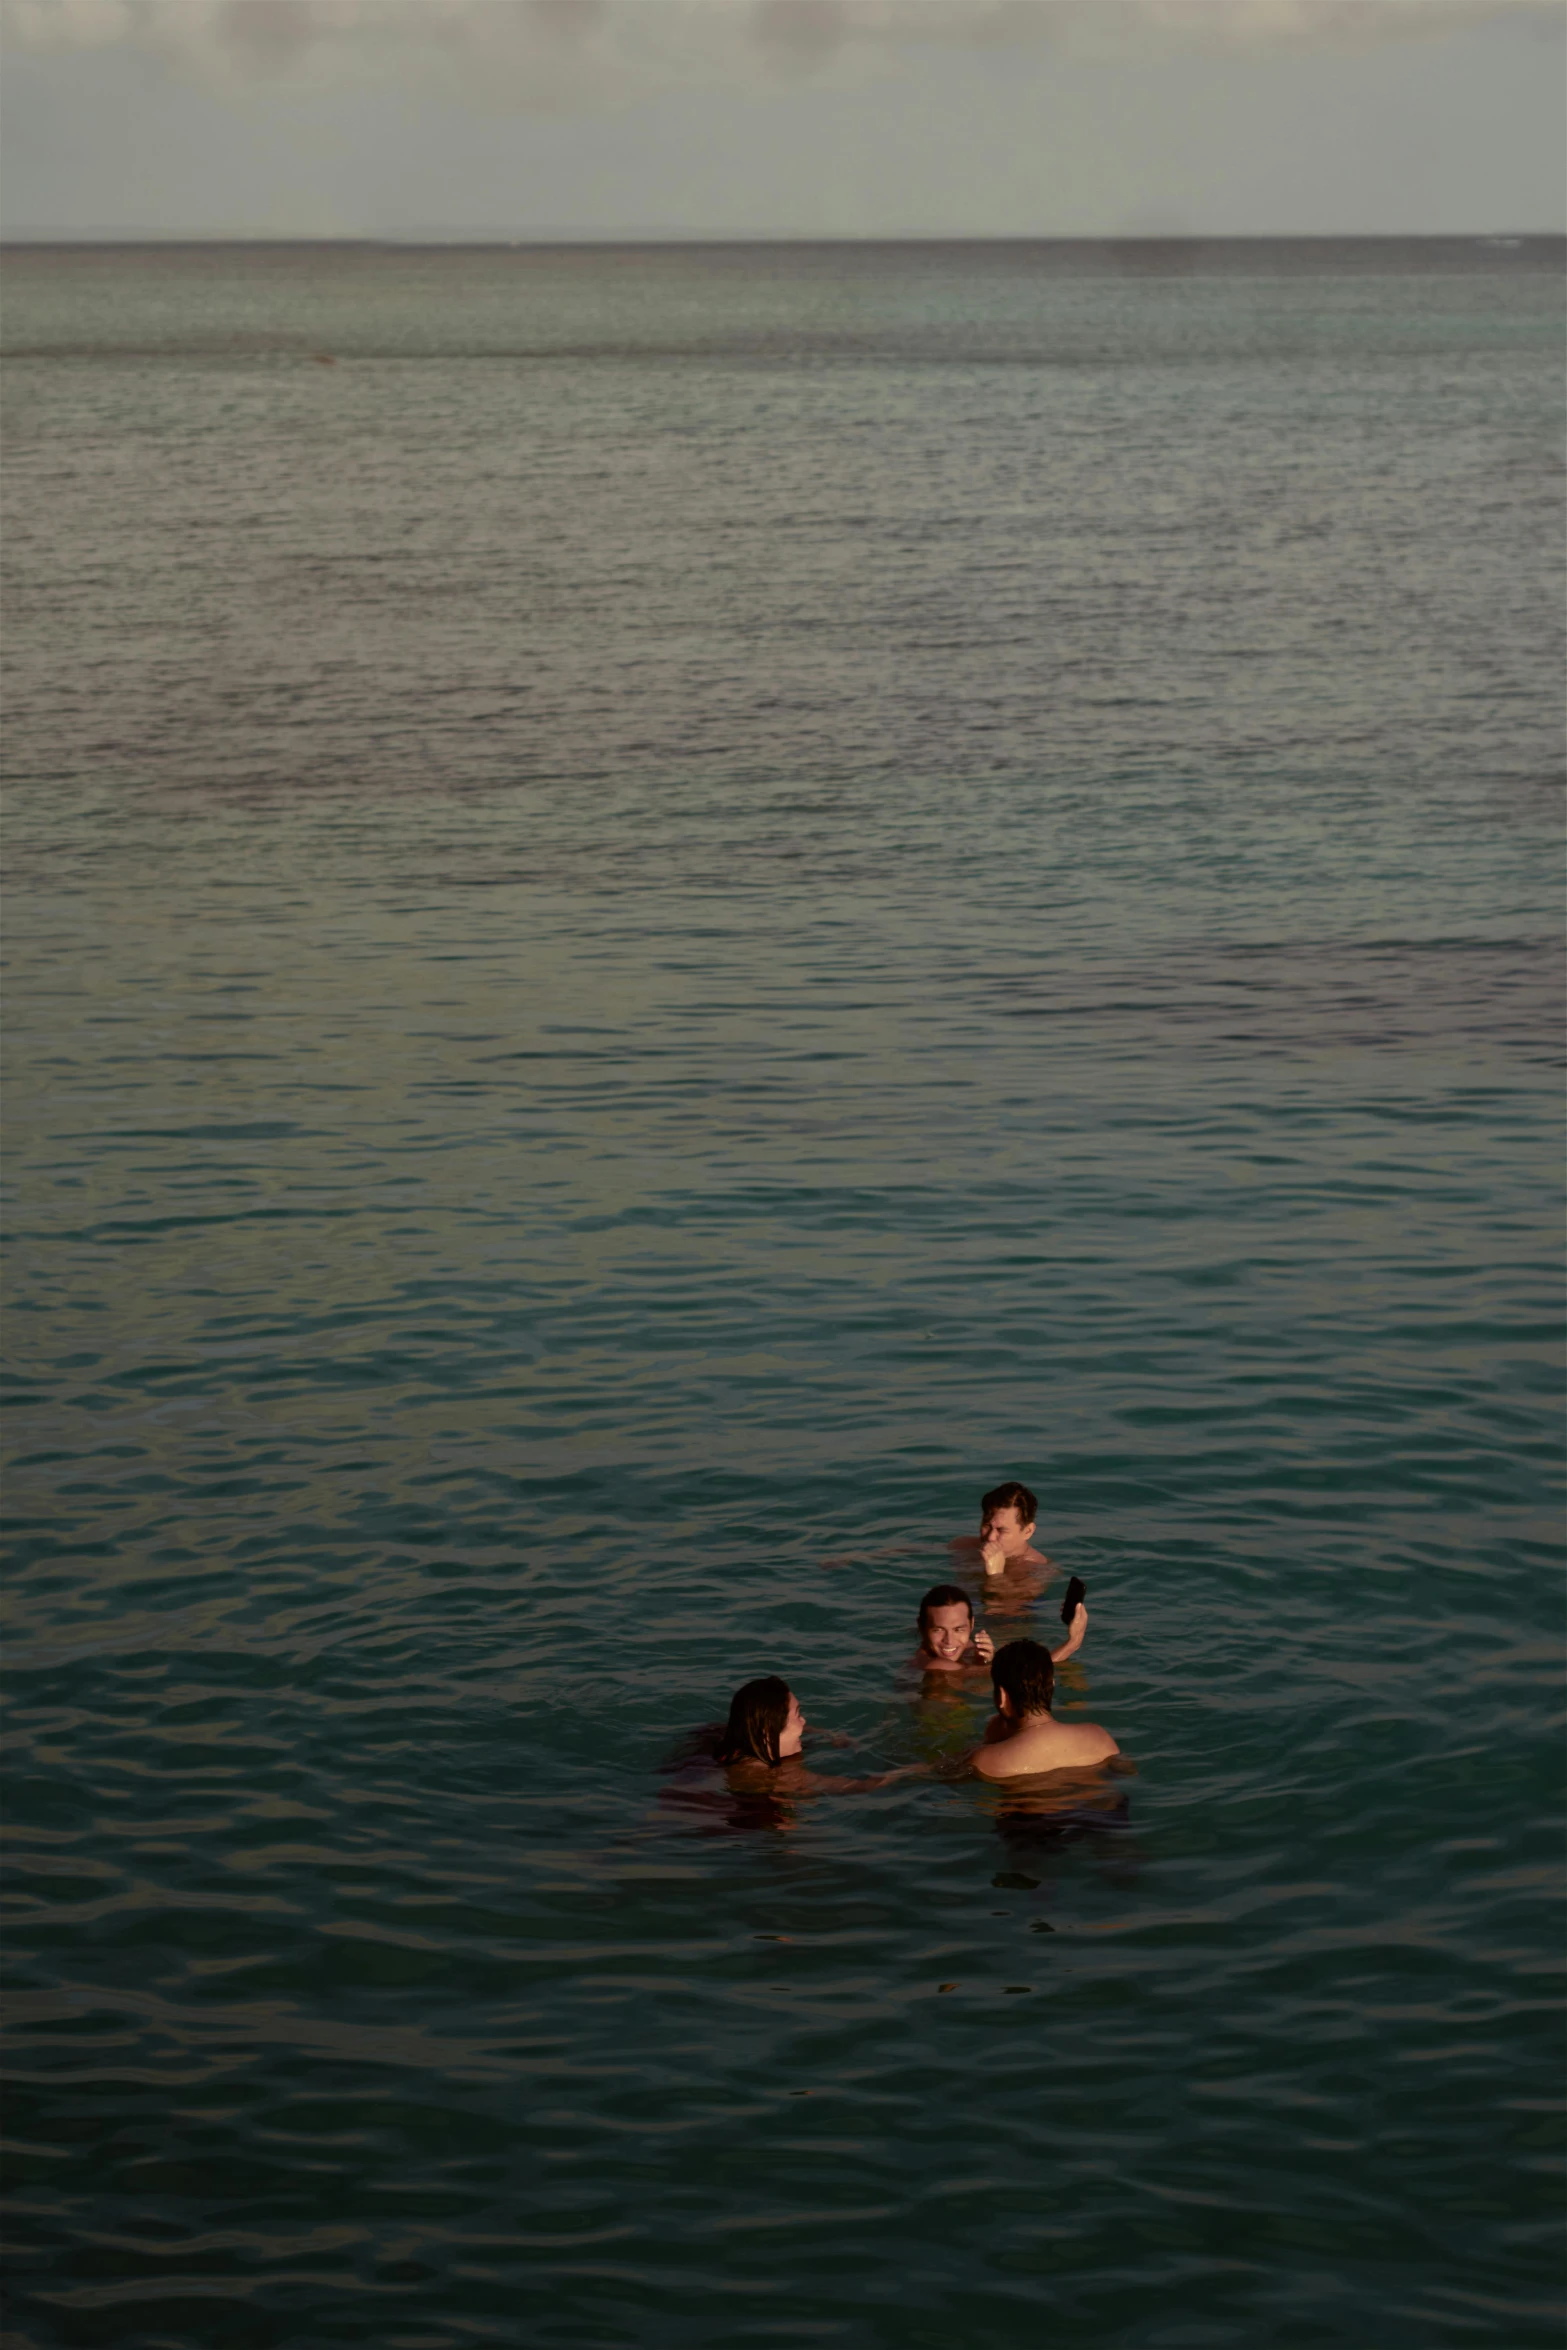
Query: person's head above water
(765, 1723)
(1007, 1516)
(946, 1621)
(1023, 1673)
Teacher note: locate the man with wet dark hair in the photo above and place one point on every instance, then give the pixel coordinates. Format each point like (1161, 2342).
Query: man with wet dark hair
(1014, 1570)
(1025, 1739)
(1008, 1515)
(948, 1641)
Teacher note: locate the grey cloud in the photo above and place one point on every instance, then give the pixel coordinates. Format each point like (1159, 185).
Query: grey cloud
(562, 55)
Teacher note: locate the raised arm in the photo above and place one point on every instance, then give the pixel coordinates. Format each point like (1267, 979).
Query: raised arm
(1074, 1639)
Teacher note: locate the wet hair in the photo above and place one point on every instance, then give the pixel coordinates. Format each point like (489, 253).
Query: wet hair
(1024, 1670)
(757, 1714)
(944, 1595)
(1011, 1496)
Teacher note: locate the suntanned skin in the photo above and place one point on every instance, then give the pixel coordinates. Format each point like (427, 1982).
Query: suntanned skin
(1074, 1636)
(1020, 1746)
(1003, 1543)
(950, 1643)
(792, 1775)
(1013, 1581)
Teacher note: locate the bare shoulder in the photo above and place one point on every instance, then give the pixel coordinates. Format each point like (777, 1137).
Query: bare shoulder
(1066, 1746)
(1090, 1742)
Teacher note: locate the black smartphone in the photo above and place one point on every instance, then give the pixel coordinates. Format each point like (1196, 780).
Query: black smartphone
(1075, 1595)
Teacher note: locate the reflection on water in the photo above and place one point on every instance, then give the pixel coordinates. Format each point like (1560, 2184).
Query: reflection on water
(735, 1810)
(688, 909)
(1037, 1818)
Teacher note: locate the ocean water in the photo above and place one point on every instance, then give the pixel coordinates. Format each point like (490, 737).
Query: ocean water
(666, 909)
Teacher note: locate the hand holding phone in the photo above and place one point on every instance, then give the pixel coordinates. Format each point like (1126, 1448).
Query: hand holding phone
(1076, 1592)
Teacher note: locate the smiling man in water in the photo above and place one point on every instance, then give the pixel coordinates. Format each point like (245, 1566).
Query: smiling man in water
(950, 1642)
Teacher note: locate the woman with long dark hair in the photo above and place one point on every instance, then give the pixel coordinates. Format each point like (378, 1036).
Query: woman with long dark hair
(759, 1746)
(765, 1723)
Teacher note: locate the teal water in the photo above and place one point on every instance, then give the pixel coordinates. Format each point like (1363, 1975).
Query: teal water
(688, 907)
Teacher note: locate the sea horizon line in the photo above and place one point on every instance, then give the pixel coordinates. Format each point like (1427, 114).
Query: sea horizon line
(499, 241)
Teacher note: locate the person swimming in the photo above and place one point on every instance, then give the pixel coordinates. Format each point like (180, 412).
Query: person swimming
(766, 1723)
(760, 1746)
(1008, 1517)
(1012, 1572)
(1024, 1738)
(951, 1643)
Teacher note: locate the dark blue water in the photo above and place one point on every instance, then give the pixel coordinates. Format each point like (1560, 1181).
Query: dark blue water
(666, 910)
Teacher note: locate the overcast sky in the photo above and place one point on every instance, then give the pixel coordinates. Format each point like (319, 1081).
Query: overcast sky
(541, 118)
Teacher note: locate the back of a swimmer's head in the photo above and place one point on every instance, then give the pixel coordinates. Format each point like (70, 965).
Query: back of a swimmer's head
(1024, 1670)
(758, 1713)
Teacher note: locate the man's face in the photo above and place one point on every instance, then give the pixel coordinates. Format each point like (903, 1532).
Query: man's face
(1001, 1529)
(947, 1632)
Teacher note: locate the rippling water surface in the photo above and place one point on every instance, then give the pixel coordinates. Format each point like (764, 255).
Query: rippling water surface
(666, 911)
